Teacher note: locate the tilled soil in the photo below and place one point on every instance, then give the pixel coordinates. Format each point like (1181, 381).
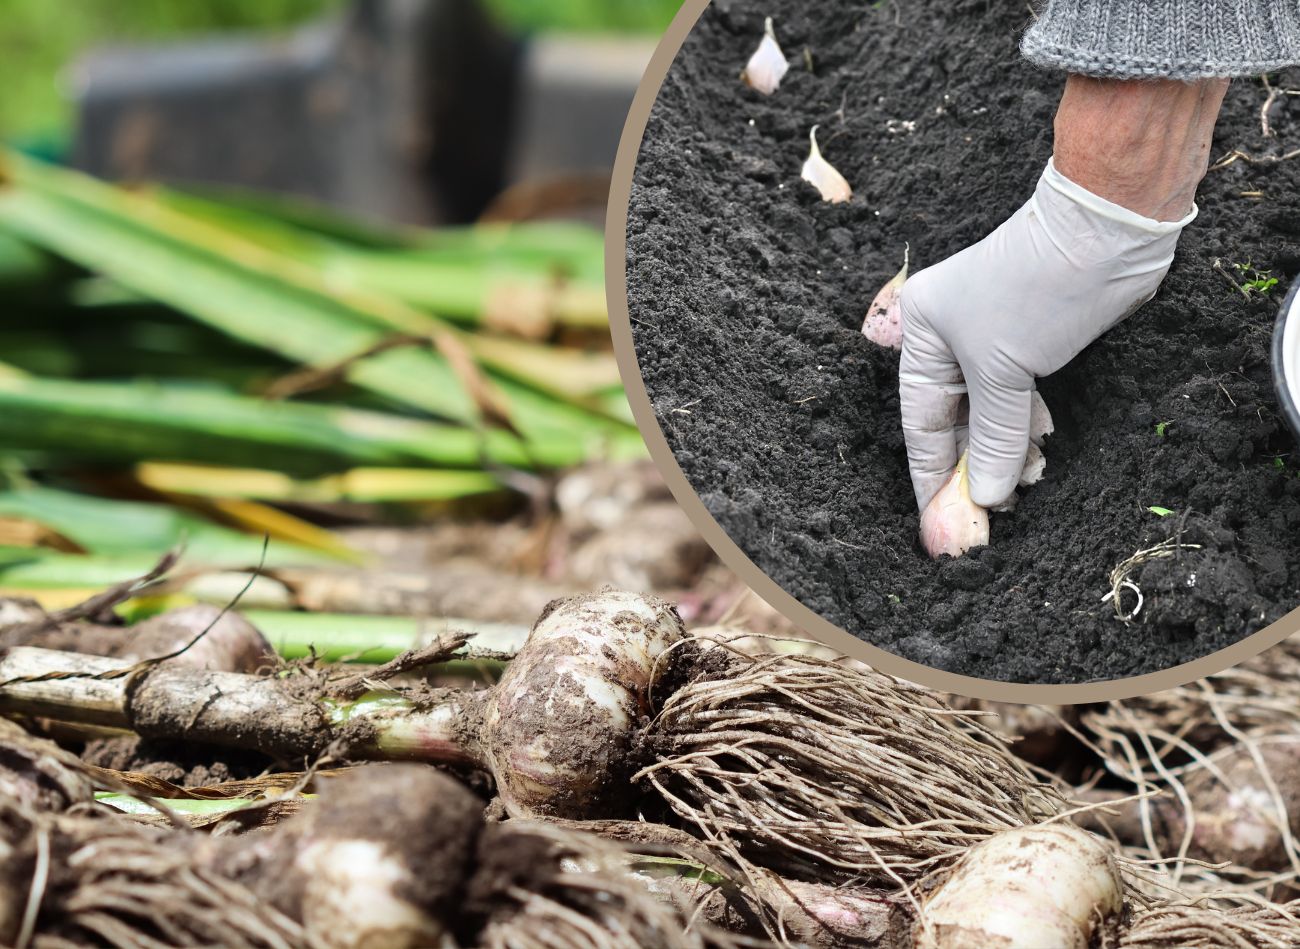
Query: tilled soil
(747, 294)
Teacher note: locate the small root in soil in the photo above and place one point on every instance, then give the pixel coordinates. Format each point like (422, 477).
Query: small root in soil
(1119, 577)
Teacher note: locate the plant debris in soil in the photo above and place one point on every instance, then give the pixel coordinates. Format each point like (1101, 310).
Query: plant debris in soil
(747, 295)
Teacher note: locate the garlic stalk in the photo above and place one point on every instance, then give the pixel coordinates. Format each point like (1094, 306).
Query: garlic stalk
(819, 173)
(884, 322)
(952, 523)
(768, 65)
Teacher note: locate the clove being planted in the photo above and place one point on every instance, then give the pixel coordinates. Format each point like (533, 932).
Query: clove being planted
(768, 66)
(952, 523)
(819, 173)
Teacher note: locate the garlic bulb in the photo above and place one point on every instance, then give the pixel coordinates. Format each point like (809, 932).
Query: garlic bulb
(1025, 888)
(884, 322)
(768, 65)
(952, 523)
(819, 173)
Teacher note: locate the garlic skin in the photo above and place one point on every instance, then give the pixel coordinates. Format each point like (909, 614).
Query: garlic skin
(1040, 419)
(1040, 426)
(952, 523)
(1035, 465)
(768, 66)
(819, 173)
(1026, 888)
(884, 322)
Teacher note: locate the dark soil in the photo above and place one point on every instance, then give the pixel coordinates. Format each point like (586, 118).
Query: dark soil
(747, 294)
(184, 763)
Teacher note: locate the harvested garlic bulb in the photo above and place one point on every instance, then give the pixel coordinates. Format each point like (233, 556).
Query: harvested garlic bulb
(884, 322)
(819, 173)
(1026, 888)
(952, 523)
(768, 66)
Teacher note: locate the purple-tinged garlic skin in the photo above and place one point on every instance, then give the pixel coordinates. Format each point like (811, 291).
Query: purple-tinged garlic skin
(819, 173)
(884, 322)
(952, 523)
(768, 66)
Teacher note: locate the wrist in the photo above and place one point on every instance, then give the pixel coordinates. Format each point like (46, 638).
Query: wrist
(1126, 218)
(1141, 144)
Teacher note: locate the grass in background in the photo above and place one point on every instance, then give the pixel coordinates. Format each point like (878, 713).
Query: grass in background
(646, 16)
(39, 38)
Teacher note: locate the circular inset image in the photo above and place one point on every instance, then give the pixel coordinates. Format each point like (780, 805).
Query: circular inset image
(956, 324)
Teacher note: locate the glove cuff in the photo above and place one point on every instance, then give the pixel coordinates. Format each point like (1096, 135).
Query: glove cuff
(1109, 209)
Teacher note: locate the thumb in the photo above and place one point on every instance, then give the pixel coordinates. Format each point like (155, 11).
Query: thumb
(999, 433)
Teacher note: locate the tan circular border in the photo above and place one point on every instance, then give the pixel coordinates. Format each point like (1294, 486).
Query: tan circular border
(735, 558)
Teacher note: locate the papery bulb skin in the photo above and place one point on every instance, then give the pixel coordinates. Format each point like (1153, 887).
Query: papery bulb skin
(1026, 888)
(952, 523)
(561, 723)
(819, 173)
(768, 66)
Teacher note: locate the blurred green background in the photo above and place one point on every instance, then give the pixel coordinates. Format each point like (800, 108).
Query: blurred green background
(38, 38)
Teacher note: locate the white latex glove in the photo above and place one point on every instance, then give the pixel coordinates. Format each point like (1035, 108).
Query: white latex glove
(1020, 304)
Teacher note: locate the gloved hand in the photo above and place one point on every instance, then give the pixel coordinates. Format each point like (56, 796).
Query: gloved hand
(1020, 304)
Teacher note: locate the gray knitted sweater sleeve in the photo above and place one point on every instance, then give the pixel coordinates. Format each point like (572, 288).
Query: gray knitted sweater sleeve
(1172, 39)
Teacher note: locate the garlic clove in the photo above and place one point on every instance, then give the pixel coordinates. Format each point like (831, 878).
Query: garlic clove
(1035, 465)
(819, 173)
(768, 65)
(1040, 419)
(1007, 504)
(884, 322)
(952, 523)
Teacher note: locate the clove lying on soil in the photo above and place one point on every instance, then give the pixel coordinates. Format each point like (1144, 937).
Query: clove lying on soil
(821, 174)
(768, 66)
